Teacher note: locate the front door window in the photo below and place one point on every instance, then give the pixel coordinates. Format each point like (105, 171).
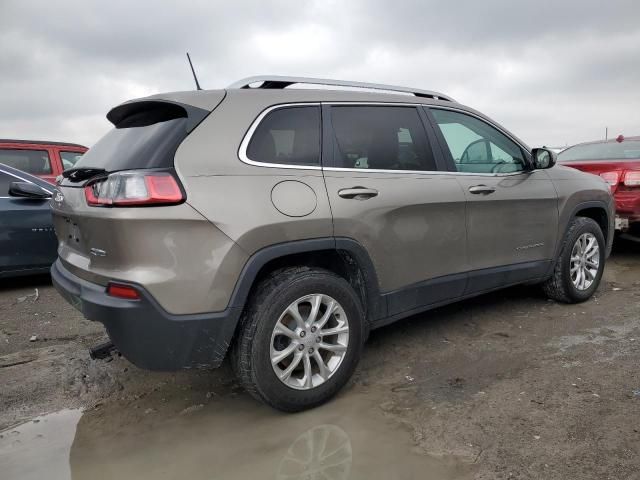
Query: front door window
(477, 147)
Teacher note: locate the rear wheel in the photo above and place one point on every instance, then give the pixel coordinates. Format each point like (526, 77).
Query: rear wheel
(579, 268)
(300, 338)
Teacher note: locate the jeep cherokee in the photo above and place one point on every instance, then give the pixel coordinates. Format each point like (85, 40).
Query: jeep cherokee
(280, 225)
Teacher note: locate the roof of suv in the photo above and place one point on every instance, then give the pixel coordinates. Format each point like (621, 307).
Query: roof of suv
(272, 90)
(40, 142)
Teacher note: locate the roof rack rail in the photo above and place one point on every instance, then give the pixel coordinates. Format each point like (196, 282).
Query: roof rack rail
(279, 82)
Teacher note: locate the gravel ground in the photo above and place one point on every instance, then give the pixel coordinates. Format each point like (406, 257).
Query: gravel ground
(508, 385)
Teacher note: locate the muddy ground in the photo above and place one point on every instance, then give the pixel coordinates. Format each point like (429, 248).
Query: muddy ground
(508, 385)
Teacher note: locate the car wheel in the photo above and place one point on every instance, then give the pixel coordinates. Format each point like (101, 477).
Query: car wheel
(300, 338)
(580, 265)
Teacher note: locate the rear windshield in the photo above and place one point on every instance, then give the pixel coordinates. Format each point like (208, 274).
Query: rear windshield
(151, 146)
(146, 135)
(628, 149)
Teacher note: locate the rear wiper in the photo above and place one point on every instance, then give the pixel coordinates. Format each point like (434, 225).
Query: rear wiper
(79, 174)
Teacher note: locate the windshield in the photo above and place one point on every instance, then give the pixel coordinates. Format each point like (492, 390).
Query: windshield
(602, 151)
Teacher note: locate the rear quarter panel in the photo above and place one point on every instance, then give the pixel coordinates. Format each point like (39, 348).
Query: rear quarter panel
(237, 197)
(185, 262)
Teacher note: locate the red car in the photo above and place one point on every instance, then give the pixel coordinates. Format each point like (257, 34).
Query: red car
(46, 160)
(618, 163)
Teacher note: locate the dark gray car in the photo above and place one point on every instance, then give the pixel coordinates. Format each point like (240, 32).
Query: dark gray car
(283, 224)
(28, 243)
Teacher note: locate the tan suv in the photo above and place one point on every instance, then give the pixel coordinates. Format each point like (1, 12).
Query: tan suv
(282, 224)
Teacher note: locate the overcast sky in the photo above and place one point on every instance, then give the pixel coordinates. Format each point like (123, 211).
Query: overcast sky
(553, 72)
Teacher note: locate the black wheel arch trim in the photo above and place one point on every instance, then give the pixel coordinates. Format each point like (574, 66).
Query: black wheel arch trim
(583, 206)
(375, 304)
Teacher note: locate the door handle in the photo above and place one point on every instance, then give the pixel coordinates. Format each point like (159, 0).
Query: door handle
(358, 193)
(481, 189)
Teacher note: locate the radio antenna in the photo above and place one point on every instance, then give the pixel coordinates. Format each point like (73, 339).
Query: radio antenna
(194, 73)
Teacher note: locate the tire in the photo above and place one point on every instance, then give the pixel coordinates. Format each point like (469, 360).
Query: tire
(561, 285)
(257, 342)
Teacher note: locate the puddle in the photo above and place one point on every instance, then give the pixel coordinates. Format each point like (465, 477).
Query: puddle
(230, 438)
(596, 336)
(39, 448)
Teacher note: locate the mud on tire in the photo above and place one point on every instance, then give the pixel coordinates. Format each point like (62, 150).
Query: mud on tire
(252, 351)
(560, 285)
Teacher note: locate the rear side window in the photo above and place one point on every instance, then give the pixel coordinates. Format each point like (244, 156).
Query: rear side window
(69, 159)
(35, 162)
(380, 137)
(288, 136)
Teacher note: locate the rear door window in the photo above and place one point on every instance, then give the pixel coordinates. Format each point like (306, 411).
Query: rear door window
(287, 136)
(35, 162)
(380, 138)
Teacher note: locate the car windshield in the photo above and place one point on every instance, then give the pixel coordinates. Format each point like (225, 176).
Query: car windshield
(602, 151)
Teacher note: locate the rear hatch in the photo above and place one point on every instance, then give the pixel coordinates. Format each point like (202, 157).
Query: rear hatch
(119, 204)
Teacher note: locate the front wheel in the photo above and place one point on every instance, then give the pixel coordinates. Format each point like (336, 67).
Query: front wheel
(300, 338)
(579, 268)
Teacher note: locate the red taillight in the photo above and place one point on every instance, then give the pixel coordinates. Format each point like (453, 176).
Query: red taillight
(612, 178)
(134, 188)
(122, 291)
(632, 178)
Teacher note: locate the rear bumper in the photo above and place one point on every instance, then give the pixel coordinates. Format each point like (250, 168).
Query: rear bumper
(628, 205)
(144, 332)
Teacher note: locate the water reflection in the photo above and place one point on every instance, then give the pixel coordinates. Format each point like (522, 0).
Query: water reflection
(39, 448)
(320, 452)
(232, 437)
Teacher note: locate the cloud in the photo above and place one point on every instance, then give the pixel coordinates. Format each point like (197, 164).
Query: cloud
(551, 72)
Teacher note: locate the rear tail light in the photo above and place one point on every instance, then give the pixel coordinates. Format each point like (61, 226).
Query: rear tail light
(632, 179)
(612, 178)
(134, 188)
(122, 291)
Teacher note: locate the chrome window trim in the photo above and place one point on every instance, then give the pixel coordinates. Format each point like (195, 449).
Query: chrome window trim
(415, 104)
(421, 172)
(242, 152)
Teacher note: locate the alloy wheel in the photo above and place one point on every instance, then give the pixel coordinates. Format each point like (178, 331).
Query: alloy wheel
(309, 341)
(585, 261)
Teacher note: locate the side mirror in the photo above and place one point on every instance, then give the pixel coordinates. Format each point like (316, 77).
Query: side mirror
(543, 158)
(28, 190)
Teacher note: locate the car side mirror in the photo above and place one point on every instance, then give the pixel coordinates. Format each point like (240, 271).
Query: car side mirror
(28, 190)
(543, 158)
